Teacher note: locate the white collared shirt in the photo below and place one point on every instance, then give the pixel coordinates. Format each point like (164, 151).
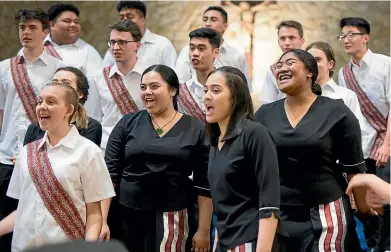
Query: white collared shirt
(79, 167)
(228, 56)
(107, 111)
(15, 120)
(154, 49)
(197, 91)
(269, 91)
(373, 76)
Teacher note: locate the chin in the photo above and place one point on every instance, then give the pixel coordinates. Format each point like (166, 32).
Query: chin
(211, 119)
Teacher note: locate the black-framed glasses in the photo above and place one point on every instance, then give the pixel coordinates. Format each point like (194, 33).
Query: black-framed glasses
(349, 36)
(120, 43)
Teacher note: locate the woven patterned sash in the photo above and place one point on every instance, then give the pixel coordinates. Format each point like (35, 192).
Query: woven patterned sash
(50, 49)
(120, 95)
(369, 110)
(23, 87)
(188, 105)
(55, 198)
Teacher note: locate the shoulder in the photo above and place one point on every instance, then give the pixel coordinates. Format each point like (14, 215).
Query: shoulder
(85, 46)
(254, 131)
(162, 39)
(4, 66)
(94, 124)
(194, 123)
(133, 118)
(381, 57)
(233, 52)
(269, 108)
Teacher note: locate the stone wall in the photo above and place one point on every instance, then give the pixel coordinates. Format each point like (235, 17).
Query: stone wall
(175, 19)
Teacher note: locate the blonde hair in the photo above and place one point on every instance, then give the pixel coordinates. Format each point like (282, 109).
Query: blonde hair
(79, 114)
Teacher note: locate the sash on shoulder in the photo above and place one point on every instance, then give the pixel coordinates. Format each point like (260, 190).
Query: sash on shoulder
(50, 49)
(120, 95)
(369, 110)
(23, 87)
(55, 198)
(188, 105)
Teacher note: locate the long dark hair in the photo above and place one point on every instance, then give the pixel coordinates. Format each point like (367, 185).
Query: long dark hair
(312, 66)
(242, 106)
(169, 76)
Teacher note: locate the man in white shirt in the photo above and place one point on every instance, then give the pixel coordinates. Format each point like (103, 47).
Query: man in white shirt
(154, 49)
(118, 86)
(21, 79)
(64, 43)
(214, 17)
(290, 36)
(368, 75)
(204, 49)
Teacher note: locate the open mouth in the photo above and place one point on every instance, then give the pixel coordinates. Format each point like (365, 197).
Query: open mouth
(44, 118)
(209, 109)
(149, 101)
(283, 78)
(195, 61)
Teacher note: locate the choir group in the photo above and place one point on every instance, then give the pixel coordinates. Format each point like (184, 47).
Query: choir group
(168, 153)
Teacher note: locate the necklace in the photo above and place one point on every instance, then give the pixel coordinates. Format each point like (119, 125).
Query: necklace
(159, 130)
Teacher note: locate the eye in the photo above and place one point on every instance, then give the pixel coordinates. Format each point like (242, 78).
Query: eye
(143, 87)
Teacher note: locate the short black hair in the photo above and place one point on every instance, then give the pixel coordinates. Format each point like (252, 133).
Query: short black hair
(358, 22)
(56, 9)
(35, 13)
(291, 24)
(223, 13)
(137, 5)
(127, 25)
(169, 76)
(213, 37)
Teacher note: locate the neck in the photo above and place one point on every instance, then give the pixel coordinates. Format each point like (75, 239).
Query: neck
(165, 115)
(32, 54)
(323, 80)
(202, 75)
(126, 66)
(143, 32)
(223, 125)
(57, 134)
(358, 56)
(304, 98)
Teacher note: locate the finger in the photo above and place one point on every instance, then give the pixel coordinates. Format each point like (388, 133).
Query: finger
(108, 236)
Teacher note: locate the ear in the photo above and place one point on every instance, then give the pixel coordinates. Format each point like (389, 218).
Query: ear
(216, 53)
(52, 24)
(225, 27)
(138, 44)
(366, 38)
(309, 75)
(330, 64)
(46, 32)
(70, 110)
(173, 91)
(302, 42)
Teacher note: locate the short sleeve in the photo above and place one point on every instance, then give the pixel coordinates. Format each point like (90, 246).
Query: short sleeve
(95, 179)
(262, 152)
(15, 185)
(200, 170)
(348, 145)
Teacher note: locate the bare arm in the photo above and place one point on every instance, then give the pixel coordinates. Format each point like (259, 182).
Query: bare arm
(94, 221)
(267, 230)
(7, 224)
(201, 240)
(377, 185)
(359, 196)
(383, 153)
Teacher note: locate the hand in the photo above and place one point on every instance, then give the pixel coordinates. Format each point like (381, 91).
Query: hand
(382, 154)
(201, 241)
(358, 180)
(13, 159)
(104, 232)
(373, 200)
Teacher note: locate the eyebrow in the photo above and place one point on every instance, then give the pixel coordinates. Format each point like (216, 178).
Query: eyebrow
(154, 82)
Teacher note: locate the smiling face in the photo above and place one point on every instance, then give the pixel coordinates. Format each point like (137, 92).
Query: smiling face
(156, 94)
(217, 99)
(355, 41)
(66, 27)
(292, 75)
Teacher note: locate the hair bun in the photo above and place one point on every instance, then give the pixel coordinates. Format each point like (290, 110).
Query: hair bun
(316, 89)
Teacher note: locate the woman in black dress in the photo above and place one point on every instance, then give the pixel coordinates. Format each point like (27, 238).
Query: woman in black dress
(243, 168)
(150, 155)
(87, 127)
(318, 139)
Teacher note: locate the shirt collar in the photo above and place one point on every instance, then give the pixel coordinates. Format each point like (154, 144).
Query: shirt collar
(366, 59)
(69, 140)
(330, 84)
(148, 37)
(139, 68)
(240, 124)
(44, 57)
(77, 43)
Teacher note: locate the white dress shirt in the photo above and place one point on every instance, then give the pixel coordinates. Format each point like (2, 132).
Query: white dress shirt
(107, 111)
(269, 91)
(228, 56)
(79, 167)
(197, 91)
(373, 76)
(154, 49)
(15, 120)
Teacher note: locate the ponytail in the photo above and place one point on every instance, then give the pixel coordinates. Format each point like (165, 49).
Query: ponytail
(316, 89)
(80, 118)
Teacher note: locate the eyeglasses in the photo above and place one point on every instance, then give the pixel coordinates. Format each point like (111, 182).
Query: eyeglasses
(120, 43)
(349, 36)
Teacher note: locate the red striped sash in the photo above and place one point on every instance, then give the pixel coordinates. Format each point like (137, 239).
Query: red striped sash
(50, 49)
(188, 105)
(23, 87)
(55, 198)
(120, 95)
(176, 231)
(369, 110)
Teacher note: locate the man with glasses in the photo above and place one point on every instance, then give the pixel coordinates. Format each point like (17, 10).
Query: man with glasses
(154, 49)
(368, 75)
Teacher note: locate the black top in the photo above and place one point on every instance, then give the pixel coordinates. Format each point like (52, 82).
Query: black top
(152, 171)
(308, 153)
(244, 183)
(93, 132)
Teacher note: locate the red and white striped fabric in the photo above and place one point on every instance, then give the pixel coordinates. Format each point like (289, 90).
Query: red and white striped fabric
(176, 231)
(248, 247)
(334, 226)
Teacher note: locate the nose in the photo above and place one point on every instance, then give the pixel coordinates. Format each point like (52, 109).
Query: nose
(207, 96)
(116, 46)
